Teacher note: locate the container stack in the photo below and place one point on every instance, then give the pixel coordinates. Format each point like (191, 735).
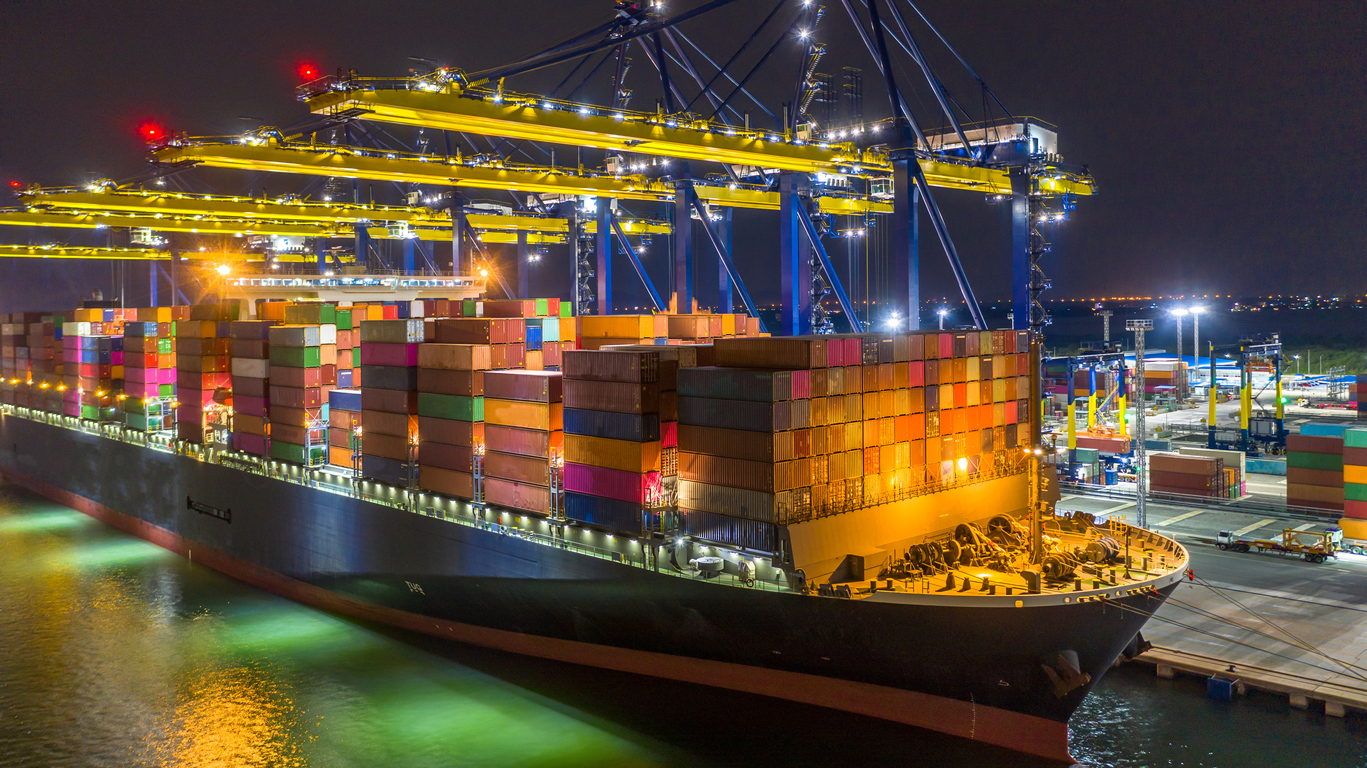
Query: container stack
(1162, 377)
(783, 426)
(81, 384)
(45, 349)
(251, 369)
(612, 466)
(348, 349)
(523, 437)
(1314, 467)
(451, 381)
(738, 454)
(1355, 473)
(149, 352)
(389, 396)
(1235, 467)
(112, 373)
(297, 416)
(142, 408)
(14, 370)
(344, 427)
(1187, 475)
(1357, 392)
(203, 367)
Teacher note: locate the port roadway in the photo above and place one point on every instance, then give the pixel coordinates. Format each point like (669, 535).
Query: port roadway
(1209, 625)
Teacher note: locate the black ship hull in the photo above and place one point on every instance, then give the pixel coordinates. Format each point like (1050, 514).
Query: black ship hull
(982, 672)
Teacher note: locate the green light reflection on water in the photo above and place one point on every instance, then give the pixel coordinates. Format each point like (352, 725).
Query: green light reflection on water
(48, 520)
(113, 553)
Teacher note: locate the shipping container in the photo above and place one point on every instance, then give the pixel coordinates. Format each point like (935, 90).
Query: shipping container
(637, 428)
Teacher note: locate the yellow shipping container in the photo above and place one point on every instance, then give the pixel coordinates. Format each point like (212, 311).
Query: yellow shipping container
(973, 394)
(612, 454)
(870, 402)
(973, 369)
(998, 389)
(621, 326)
(1354, 474)
(947, 397)
(546, 417)
(901, 458)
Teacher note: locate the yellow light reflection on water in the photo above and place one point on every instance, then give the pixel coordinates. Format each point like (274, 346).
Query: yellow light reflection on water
(232, 716)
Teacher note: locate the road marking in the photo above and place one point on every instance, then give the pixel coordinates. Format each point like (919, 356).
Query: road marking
(1069, 496)
(1179, 518)
(1255, 526)
(1116, 508)
(1304, 527)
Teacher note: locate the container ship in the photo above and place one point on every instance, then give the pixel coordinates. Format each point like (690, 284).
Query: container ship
(858, 522)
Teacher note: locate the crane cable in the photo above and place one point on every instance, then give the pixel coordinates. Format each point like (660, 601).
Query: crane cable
(1216, 617)
(1301, 643)
(1198, 630)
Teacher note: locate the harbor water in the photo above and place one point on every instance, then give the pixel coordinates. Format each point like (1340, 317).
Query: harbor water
(115, 652)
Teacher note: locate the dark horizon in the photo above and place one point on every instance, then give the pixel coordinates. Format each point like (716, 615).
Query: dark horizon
(1222, 143)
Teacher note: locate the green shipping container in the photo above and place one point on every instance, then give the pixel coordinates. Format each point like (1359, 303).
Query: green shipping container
(166, 346)
(297, 357)
(355, 357)
(468, 308)
(565, 309)
(90, 412)
(457, 407)
(542, 308)
(287, 451)
(1314, 461)
(1355, 438)
(167, 390)
(343, 319)
(1355, 491)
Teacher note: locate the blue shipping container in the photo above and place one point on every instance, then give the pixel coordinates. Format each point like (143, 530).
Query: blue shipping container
(1322, 429)
(345, 399)
(533, 339)
(724, 529)
(617, 515)
(635, 428)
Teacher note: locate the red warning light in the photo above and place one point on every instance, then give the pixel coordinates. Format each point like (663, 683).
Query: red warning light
(307, 72)
(151, 131)
(16, 184)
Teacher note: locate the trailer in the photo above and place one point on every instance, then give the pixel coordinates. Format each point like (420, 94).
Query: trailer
(1311, 546)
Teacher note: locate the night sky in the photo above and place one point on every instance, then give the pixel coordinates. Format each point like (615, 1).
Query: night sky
(1224, 137)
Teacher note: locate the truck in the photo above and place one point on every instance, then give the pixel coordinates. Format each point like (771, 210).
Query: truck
(1311, 546)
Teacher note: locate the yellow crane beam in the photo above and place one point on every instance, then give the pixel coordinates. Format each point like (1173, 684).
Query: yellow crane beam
(99, 220)
(543, 230)
(436, 102)
(79, 252)
(351, 162)
(451, 107)
(177, 204)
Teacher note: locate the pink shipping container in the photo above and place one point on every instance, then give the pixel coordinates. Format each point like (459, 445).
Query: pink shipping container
(634, 487)
(253, 444)
(251, 406)
(403, 355)
(141, 389)
(669, 434)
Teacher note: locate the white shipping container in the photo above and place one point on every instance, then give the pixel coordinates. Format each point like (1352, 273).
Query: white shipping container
(327, 334)
(249, 368)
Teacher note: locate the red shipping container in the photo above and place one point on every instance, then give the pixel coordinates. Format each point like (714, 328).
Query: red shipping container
(450, 432)
(1314, 444)
(523, 469)
(611, 483)
(525, 442)
(253, 444)
(296, 397)
(389, 400)
(398, 355)
(458, 484)
(515, 495)
(459, 458)
(669, 434)
(285, 376)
